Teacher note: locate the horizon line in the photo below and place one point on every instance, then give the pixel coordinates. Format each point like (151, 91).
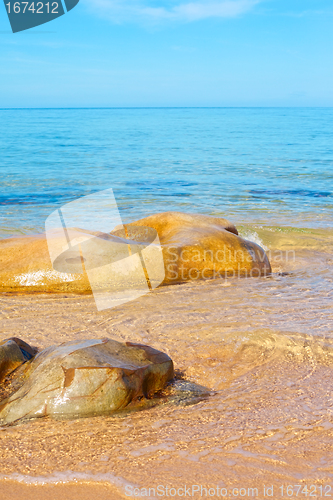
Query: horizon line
(165, 107)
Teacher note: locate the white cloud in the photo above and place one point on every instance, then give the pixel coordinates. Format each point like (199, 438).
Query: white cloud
(142, 11)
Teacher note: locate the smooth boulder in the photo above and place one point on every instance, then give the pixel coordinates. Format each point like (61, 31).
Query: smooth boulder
(201, 246)
(193, 247)
(87, 378)
(25, 266)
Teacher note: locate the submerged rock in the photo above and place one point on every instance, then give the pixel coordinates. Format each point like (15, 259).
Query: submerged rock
(86, 378)
(194, 247)
(186, 393)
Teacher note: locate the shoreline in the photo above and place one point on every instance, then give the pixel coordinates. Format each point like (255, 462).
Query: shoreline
(280, 244)
(264, 346)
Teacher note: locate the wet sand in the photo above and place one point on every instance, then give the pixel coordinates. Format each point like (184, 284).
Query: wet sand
(263, 347)
(12, 490)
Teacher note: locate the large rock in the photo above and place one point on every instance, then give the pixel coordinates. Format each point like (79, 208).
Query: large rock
(200, 246)
(25, 266)
(193, 247)
(86, 378)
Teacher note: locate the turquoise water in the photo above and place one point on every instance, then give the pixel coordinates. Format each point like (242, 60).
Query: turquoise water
(264, 165)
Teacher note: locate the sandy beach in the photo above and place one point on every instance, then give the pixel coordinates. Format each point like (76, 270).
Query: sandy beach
(263, 347)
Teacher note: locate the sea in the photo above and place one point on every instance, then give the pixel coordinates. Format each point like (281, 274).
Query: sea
(261, 348)
(263, 165)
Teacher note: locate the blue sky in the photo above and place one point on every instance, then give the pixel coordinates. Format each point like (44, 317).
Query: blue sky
(172, 53)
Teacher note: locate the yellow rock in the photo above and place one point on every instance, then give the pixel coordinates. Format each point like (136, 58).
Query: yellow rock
(194, 247)
(201, 246)
(25, 266)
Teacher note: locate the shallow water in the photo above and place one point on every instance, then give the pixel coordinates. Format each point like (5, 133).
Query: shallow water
(262, 346)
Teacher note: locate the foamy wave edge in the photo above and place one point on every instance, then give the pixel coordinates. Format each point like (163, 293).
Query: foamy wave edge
(253, 236)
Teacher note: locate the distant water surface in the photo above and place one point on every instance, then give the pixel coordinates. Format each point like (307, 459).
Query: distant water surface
(264, 165)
